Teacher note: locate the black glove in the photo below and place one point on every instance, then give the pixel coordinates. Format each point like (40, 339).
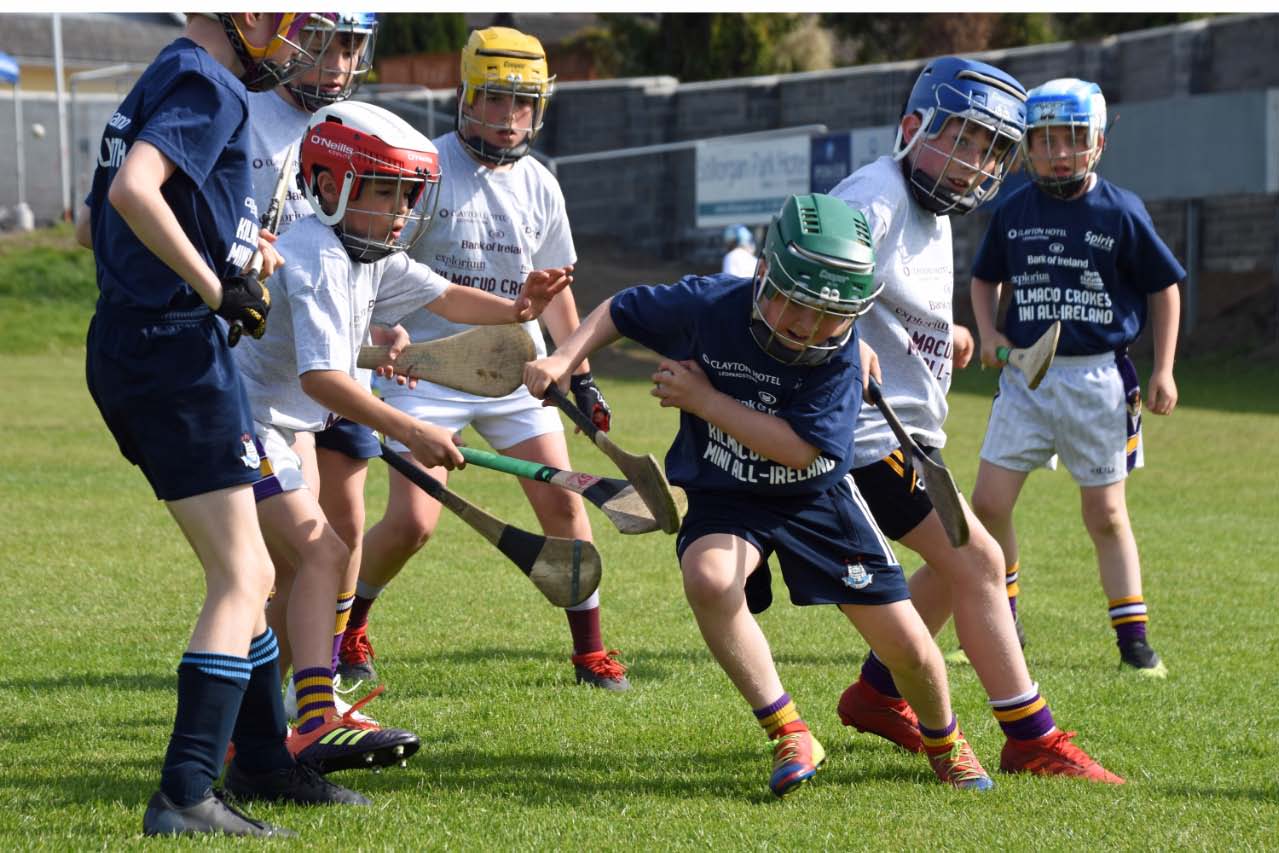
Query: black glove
(245, 304)
(589, 398)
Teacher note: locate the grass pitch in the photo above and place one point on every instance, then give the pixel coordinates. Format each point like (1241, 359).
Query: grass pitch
(102, 591)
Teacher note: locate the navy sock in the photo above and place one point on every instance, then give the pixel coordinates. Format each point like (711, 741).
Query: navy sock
(261, 727)
(210, 690)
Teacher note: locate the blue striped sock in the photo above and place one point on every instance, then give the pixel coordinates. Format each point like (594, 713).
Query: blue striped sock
(210, 689)
(260, 727)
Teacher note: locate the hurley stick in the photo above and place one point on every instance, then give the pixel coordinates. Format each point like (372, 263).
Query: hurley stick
(643, 471)
(487, 360)
(938, 482)
(617, 499)
(271, 222)
(1033, 361)
(566, 571)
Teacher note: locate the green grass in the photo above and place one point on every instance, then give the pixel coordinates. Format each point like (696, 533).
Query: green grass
(101, 594)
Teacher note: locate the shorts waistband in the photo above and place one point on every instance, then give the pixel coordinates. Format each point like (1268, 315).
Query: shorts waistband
(1100, 359)
(151, 317)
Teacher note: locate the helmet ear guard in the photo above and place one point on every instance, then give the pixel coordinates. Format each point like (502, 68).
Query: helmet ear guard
(979, 96)
(366, 144)
(817, 255)
(502, 63)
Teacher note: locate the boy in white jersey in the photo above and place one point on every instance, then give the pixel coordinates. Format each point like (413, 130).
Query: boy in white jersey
(958, 130)
(278, 120)
(501, 214)
(1088, 407)
(371, 180)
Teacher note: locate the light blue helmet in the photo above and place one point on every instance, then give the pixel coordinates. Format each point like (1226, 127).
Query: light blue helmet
(975, 93)
(355, 32)
(738, 235)
(1075, 104)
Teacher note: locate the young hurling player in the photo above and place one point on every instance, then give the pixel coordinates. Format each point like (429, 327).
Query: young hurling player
(764, 448)
(1076, 248)
(959, 128)
(172, 215)
(501, 215)
(371, 179)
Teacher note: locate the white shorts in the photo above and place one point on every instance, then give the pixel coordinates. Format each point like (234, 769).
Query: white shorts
(502, 421)
(1080, 411)
(281, 468)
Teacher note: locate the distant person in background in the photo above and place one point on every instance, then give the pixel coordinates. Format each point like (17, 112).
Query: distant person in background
(739, 255)
(1117, 273)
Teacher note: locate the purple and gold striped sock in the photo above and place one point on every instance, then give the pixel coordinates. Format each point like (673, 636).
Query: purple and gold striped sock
(878, 676)
(1011, 575)
(1128, 617)
(1024, 717)
(315, 697)
(774, 716)
(345, 600)
(940, 741)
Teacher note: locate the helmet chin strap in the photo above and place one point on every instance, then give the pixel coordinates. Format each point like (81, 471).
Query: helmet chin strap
(769, 341)
(485, 151)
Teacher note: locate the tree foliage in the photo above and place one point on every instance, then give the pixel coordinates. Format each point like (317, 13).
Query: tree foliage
(401, 33)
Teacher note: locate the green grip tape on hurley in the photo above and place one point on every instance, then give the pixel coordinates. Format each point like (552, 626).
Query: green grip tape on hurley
(507, 464)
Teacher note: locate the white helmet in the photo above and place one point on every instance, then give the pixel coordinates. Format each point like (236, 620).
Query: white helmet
(365, 147)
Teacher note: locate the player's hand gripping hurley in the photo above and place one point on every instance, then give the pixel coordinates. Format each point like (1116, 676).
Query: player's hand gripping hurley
(643, 471)
(1033, 361)
(617, 499)
(938, 482)
(271, 222)
(566, 571)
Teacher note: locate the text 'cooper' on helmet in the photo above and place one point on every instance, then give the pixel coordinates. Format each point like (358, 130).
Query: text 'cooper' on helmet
(815, 278)
(505, 89)
(384, 172)
(1059, 161)
(261, 72)
(342, 65)
(988, 108)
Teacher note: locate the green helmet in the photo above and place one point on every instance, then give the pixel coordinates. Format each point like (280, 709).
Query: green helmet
(818, 255)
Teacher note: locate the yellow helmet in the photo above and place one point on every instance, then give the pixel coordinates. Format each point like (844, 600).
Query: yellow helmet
(500, 62)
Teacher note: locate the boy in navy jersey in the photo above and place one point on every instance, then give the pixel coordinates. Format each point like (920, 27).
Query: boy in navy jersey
(172, 215)
(1076, 248)
(768, 403)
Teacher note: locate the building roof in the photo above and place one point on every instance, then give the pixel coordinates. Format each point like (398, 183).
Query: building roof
(89, 38)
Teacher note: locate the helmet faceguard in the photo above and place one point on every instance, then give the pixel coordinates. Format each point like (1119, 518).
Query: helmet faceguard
(261, 73)
(817, 270)
(982, 101)
(502, 66)
(353, 36)
(376, 158)
(1079, 108)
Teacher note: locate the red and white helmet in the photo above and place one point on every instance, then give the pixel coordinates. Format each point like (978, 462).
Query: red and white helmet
(370, 151)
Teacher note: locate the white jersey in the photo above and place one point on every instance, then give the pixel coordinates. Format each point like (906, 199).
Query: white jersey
(491, 229)
(322, 303)
(739, 262)
(909, 326)
(275, 126)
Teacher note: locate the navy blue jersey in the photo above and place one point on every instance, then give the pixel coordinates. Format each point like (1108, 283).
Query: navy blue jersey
(196, 113)
(706, 319)
(1090, 262)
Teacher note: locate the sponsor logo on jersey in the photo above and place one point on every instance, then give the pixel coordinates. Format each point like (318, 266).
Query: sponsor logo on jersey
(1099, 241)
(1056, 248)
(1036, 233)
(767, 398)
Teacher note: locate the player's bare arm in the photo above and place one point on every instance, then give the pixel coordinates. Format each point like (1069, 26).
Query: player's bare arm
(985, 296)
(478, 308)
(342, 395)
(962, 341)
(1165, 316)
(561, 320)
(135, 195)
(684, 385)
(596, 331)
(84, 227)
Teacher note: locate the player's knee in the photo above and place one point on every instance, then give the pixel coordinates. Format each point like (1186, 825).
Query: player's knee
(349, 529)
(910, 655)
(987, 507)
(1106, 521)
(704, 586)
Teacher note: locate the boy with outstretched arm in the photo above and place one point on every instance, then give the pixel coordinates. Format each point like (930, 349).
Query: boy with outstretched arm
(764, 448)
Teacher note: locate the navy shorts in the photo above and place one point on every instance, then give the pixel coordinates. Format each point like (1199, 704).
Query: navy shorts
(350, 439)
(171, 395)
(828, 546)
(895, 495)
